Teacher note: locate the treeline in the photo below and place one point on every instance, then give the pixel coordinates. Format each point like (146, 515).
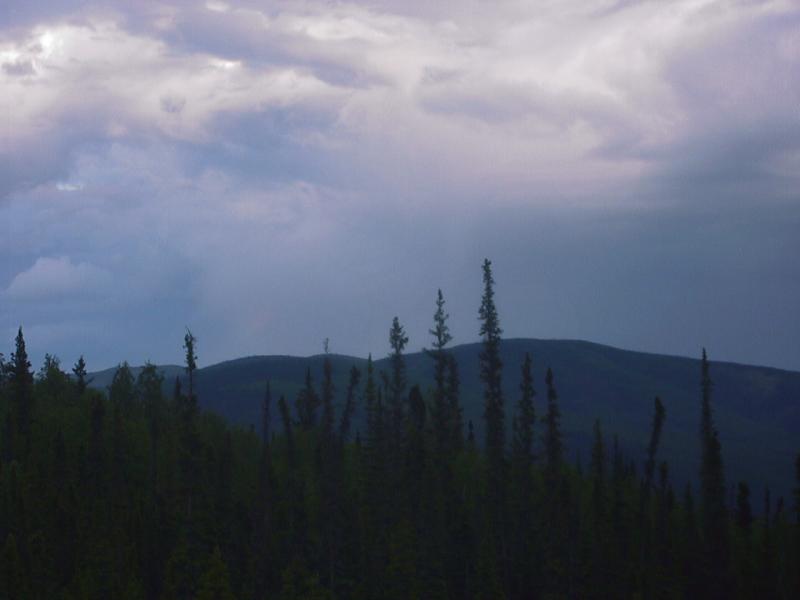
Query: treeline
(137, 494)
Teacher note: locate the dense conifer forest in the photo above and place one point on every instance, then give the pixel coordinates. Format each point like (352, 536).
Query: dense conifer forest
(134, 493)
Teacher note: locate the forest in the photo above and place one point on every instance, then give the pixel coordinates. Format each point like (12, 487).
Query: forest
(378, 490)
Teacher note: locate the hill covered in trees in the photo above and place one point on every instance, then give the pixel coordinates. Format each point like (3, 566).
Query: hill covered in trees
(136, 492)
(757, 408)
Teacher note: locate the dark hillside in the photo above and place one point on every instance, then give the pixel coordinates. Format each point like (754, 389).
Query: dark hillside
(757, 409)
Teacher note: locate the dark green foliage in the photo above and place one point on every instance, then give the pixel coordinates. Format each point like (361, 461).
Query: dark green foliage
(652, 448)
(397, 383)
(349, 404)
(306, 404)
(20, 382)
(13, 582)
(121, 390)
(133, 495)
(713, 511)
(452, 392)
(744, 511)
(553, 444)
(328, 390)
(215, 583)
(189, 342)
(491, 375)
(524, 419)
(797, 490)
(79, 370)
(443, 420)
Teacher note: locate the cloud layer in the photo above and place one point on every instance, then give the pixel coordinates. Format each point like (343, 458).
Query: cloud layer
(274, 174)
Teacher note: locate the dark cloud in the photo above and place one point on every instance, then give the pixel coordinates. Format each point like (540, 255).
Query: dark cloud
(274, 174)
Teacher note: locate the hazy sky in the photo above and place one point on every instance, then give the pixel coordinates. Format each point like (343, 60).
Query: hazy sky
(272, 174)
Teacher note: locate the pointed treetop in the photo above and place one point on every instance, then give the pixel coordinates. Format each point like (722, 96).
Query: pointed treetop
(397, 337)
(188, 344)
(440, 331)
(80, 375)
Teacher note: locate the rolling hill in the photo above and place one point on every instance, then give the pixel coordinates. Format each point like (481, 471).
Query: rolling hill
(757, 409)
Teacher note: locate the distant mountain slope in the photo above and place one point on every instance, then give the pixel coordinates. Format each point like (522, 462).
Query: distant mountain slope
(757, 409)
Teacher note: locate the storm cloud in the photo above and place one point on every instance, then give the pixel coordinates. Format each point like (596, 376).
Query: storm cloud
(273, 174)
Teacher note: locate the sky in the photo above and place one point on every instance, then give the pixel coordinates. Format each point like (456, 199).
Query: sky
(272, 174)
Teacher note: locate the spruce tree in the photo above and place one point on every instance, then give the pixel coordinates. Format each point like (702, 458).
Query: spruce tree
(713, 512)
(189, 444)
(307, 403)
(597, 470)
(525, 418)
(328, 391)
(553, 444)
(121, 390)
(491, 366)
(646, 555)
(149, 391)
(266, 408)
(491, 375)
(441, 411)
(21, 384)
(454, 404)
(79, 370)
(376, 498)
(349, 404)
(659, 415)
(766, 585)
(522, 552)
(96, 451)
(191, 363)
(397, 384)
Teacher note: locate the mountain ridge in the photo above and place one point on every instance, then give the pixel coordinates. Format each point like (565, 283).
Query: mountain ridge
(756, 408)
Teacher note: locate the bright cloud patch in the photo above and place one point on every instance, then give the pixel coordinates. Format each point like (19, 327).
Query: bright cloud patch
(54, 278)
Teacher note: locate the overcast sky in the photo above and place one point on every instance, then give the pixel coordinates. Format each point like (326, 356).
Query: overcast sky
(272, 174)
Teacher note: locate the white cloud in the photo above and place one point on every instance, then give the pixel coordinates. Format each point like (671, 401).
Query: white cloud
(57, 277)
(553, 95)
(240, 162)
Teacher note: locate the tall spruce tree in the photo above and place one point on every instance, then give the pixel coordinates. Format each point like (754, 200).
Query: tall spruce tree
(766, 583)
(149, 391)
(328, 390)
(523, 553)
(266, 416)
(21, 383)
(713, 511)
(494, 567)
(525, 418)
(454, 403)
(553, 444)
(189, 342)
(306, 404)
(441, 411)
(349, 404)
(646, 555)
(491, 367)
(597, 471)
(397, 383)
(659, 414)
